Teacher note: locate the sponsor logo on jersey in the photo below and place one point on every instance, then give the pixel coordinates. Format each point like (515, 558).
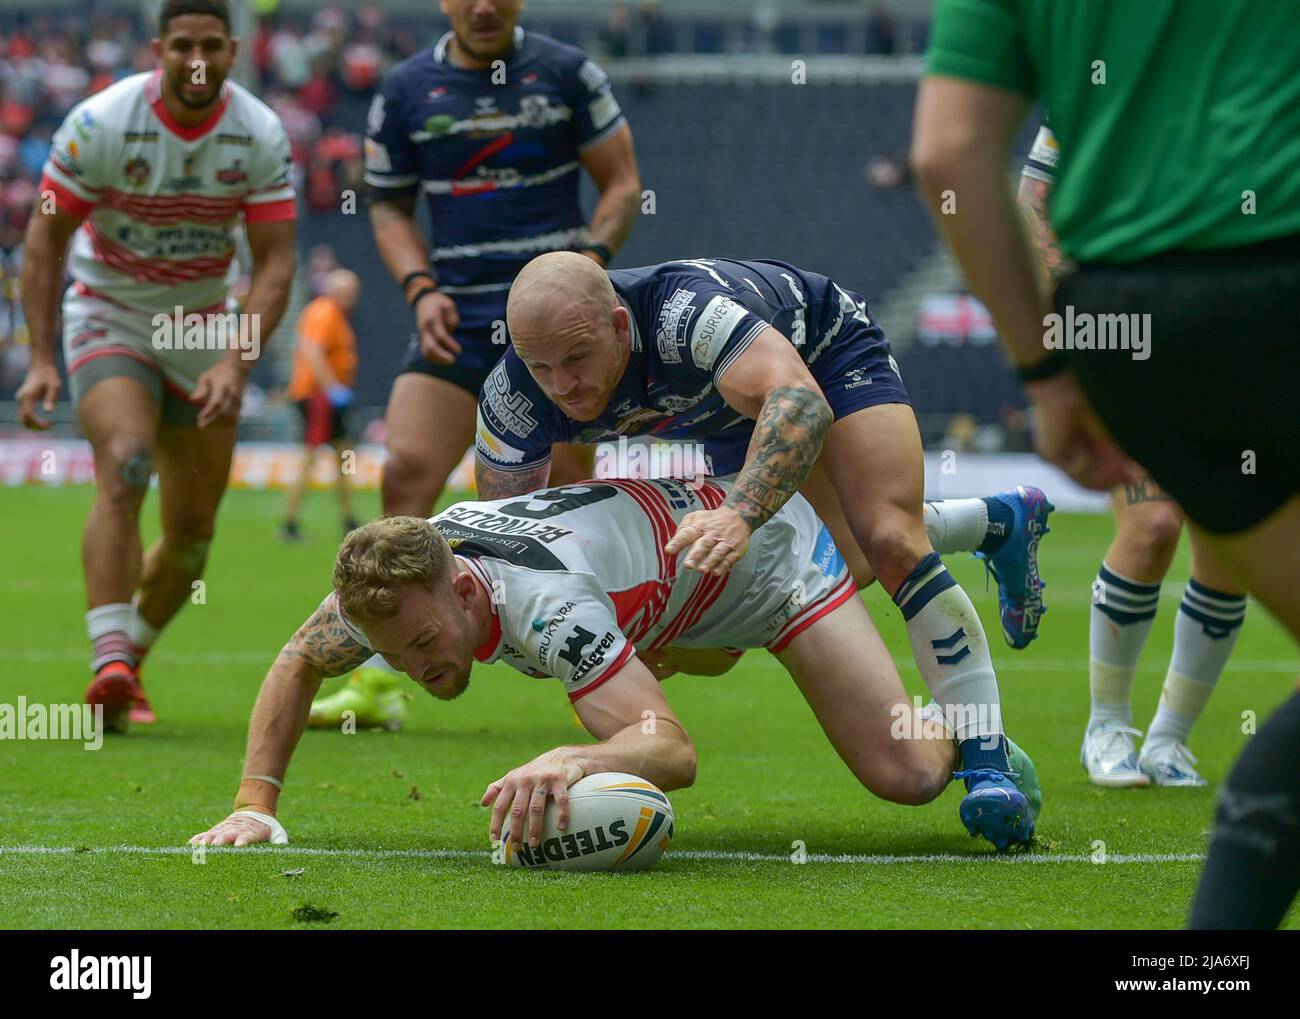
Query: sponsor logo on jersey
(857, 377)
(826, 556)
(712, 329)
(575, 645)
(438, 125)
(136, 171)
(674, 323)
(506, 410)
(634, 422)
(377, 157)
(375, 115)
(84, 125)
(140, 137)
(232, 174)
(490, 446)
(547, 629)
(246, 140)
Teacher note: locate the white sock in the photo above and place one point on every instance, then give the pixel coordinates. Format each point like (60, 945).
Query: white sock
(1123, 611)
(142, 634)
(952, 652)
(107, 627)
(1205, 633)
(956, 525)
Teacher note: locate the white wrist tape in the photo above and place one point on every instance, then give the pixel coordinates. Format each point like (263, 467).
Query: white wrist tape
(279, 837)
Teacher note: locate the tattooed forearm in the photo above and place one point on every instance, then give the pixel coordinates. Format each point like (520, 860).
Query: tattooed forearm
(1145, 490)
(325, 645)
(1032, 199)
(787, 440)
(494, 484)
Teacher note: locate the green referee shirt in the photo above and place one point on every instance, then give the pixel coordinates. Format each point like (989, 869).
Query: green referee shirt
(1176, 118)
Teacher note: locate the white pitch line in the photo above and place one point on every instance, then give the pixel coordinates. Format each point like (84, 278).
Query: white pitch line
(714, 855)
(1008, 665)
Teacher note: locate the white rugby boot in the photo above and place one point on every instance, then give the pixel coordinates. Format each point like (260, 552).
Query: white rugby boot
(1110, 756)
(1168, 762)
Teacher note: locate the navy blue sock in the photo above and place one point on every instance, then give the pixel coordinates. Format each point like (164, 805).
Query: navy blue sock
(975, 753)
(1002, 518)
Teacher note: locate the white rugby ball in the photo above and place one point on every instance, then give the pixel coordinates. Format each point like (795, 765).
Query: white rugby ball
(616, 822)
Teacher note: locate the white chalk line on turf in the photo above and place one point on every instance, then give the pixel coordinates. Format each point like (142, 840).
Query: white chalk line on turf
(710, 855)
(266, 658)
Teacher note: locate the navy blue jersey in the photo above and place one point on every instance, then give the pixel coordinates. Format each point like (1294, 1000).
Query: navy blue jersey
(495, 152)
(691, 320)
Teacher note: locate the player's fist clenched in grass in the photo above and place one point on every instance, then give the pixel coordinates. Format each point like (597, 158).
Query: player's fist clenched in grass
(243, 828)
(716, 538)
(523, 794)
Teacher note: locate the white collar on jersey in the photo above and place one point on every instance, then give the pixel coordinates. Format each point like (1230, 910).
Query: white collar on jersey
(440, 48)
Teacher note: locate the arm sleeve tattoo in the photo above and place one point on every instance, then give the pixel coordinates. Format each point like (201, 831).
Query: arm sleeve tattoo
(325, 645)
(787, 440)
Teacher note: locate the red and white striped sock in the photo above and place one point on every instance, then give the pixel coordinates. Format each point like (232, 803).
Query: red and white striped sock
(107, 626)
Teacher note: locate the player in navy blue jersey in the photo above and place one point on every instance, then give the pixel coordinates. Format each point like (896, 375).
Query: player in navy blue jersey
(772, 370)
(493, 126)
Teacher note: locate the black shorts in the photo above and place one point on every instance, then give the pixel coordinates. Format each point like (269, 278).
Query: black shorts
(1211, 411)
(482, 336)
(322, 422)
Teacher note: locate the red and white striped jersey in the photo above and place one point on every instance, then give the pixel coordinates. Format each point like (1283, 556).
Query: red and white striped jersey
(159, 199)
(579, 579)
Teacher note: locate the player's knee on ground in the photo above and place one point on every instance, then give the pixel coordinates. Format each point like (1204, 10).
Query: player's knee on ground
(124, 476)
(1148, 538)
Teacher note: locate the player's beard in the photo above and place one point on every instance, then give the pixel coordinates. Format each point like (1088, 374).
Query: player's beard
(179, 83)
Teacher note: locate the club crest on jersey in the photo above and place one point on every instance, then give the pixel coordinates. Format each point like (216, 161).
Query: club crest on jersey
(136, 171)
(232, 174)
(187, 181)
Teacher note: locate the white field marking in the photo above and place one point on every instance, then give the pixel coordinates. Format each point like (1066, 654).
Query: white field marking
(869, 859)
(1008, 665)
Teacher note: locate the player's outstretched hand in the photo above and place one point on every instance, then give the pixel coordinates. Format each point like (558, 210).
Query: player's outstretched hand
(716, 538)
(220, 390)
(242, 828)
(523, 794)
(1068, 433)
(437, 318)
(42, 386)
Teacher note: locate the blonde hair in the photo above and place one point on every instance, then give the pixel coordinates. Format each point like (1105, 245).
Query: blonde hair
(377, 559)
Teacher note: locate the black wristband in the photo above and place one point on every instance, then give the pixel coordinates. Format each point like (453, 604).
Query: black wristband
(422, 292)
(406, 282)
(605, 254)
(1053, 364)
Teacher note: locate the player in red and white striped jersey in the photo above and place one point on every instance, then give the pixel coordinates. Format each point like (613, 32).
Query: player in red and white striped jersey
(574, 583)
(147, 180)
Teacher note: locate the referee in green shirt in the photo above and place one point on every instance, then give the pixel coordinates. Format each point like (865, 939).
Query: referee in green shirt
(1175, 344)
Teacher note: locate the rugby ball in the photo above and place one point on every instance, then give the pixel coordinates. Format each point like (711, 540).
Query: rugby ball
(616, 822)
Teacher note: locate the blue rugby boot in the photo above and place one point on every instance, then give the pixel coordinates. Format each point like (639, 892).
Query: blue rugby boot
(1014, 563)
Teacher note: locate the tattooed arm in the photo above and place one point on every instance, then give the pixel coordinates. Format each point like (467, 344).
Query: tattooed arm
(1032, 199)
(494, 484)
(322, 647)
(772, 385)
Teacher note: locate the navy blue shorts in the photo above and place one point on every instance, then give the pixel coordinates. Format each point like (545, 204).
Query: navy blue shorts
(855, 371)
(479, 315)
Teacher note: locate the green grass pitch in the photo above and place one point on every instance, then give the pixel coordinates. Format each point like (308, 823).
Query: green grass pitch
(387, 832)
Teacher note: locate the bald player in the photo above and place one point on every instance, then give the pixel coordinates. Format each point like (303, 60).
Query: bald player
(324, 372)
(783, 379)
